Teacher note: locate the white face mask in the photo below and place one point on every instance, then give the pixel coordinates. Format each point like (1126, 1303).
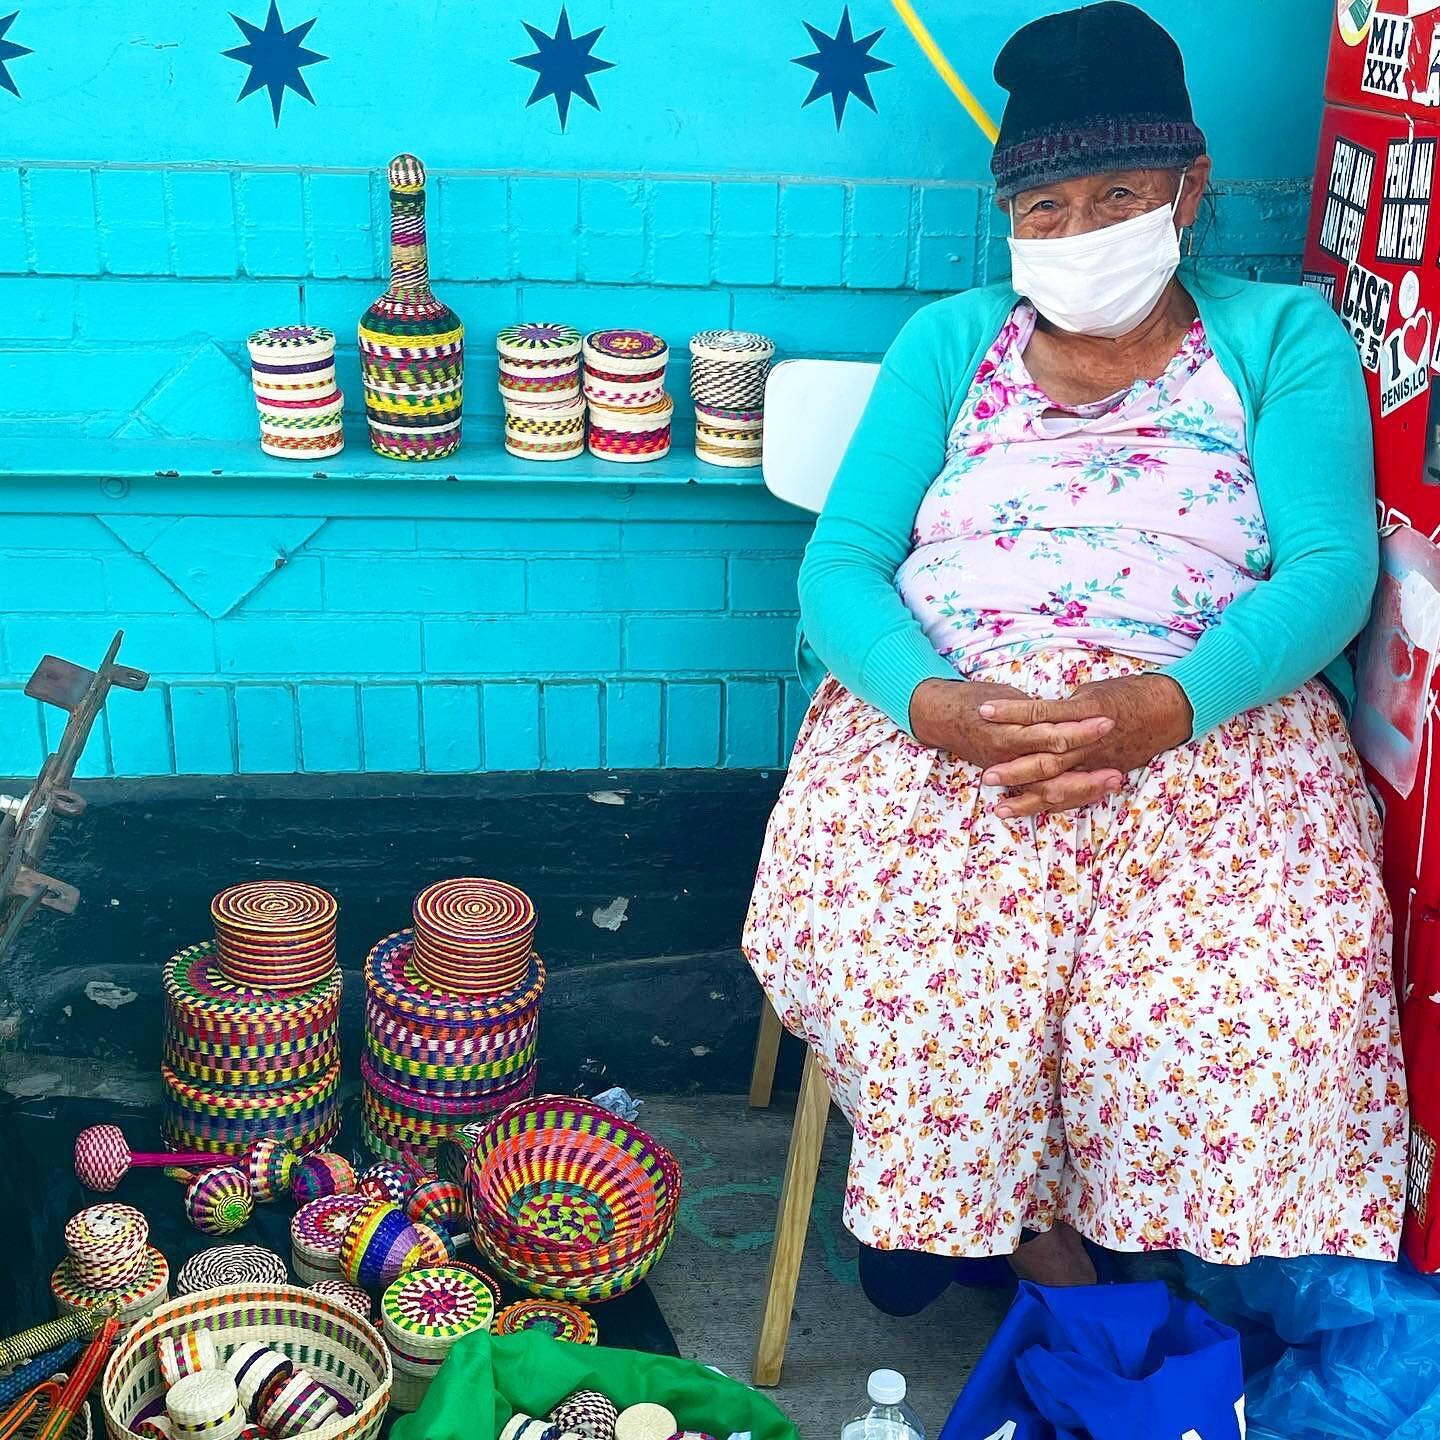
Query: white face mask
(1104, 282)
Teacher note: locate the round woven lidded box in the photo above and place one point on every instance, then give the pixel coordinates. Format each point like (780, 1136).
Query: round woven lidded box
(632, 436)
(316, 1233)
(134, 1300)
(625, 352)
(645, 1421)
(569, 1201)
(292, 370)
(275, 934)
(473, 936)
(436, 1062)
(223, 1265)
(295, 1406)
(587, 1413)
(424, 1313)
(539, 342)
(243, 1063)
(187, 1354)
(283, 349)
(728, 368)
(333, 1341)
(219, 1201)
(347, 1294)
(555, 1318)
(409, 338)
(255, 1368)
(205, 1404)
(107, 1245)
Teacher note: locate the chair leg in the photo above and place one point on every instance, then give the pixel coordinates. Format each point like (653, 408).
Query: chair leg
(767, 1051)
(797, 1195)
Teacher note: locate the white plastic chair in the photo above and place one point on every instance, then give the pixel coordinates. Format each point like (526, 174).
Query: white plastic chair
(811, 410)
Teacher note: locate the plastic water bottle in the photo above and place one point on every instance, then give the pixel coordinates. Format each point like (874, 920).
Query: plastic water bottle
(889, 1417)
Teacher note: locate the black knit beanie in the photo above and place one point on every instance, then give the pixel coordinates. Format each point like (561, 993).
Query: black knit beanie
(1096, 89)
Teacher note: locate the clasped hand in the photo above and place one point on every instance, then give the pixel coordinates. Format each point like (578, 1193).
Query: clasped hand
(1048, 755)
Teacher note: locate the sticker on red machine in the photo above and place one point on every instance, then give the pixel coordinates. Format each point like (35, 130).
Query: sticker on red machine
(1354, 19)
(1387, 56)
(1397, 658)
(1347, 196)
(1365, 309)
(1321, 281)
(1405, 201)
(1405, 362)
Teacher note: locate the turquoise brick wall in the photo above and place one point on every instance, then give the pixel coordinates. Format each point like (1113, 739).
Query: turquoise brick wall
(492, 617)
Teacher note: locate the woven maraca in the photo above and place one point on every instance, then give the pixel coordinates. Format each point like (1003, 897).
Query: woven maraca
(387, 1180)
(219, 1201)
(380, 1244)
(102, 1157)
(323, 1173)
(438, 1202)
(270, 1167)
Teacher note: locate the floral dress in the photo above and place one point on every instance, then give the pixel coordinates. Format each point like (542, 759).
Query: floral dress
(1167, 1018)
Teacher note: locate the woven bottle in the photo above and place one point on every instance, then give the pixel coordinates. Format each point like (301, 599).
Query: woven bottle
(412, 351)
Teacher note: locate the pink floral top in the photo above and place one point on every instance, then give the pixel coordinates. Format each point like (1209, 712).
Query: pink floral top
(1127, 525)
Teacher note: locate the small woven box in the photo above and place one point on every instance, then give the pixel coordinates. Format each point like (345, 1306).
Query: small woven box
(316, 1233)
(107, 1245)
(587, 1413)
(301, 1403)
(187, 1354)
(645, 1422)
(253, 1366)
(205, 1406)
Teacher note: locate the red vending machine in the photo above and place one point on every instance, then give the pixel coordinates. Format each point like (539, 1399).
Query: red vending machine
(1373, 250)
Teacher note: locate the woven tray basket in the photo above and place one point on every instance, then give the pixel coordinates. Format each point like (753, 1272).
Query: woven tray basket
(342, 1351)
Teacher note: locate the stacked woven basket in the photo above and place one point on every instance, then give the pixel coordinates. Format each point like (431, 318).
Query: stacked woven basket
(424, 1313)
(630, 409)
(540, 388)
(452, 1014)
(292, 369)
(728, 369)
(569, 1202)
(110, 1264)
(251, 1024)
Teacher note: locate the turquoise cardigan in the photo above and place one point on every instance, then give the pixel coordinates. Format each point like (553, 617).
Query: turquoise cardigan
(1308, 433)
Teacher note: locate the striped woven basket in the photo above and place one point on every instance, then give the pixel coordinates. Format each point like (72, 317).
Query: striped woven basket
(569, 1201)
(329, 1339)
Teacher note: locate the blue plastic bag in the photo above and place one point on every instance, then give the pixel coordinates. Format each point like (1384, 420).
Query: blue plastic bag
(1103, 1362)
(1335, 1349)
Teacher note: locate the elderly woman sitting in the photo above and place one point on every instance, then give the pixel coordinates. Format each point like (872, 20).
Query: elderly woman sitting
(1073, 883)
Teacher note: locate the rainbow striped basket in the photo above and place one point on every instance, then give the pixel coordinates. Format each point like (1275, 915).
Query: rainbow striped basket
(569, 1201)
(341, 1349)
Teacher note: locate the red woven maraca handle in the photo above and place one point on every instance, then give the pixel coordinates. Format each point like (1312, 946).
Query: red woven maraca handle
(77, 1387)
(178, 1157)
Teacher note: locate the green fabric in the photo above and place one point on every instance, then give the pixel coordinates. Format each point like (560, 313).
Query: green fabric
(1308, 434)
(488, 1378)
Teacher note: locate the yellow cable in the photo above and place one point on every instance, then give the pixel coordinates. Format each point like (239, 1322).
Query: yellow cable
(945, 70)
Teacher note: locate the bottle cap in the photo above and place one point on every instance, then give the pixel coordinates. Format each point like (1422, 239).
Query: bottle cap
(887, 1387)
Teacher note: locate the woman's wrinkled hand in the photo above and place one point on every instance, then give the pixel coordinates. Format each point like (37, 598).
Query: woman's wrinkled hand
(948, 715)
(1149, 715)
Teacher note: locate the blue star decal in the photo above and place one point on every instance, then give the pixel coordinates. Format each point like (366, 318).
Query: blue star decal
(564, 64)
(275, 56)
(9, 50)
(841, 64)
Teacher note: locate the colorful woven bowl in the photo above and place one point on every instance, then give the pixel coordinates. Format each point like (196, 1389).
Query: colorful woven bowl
(380, 1244)
(218, 1201)
(323, 1173)
(550, 1317)
(569, 1201)
(309, 1329)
